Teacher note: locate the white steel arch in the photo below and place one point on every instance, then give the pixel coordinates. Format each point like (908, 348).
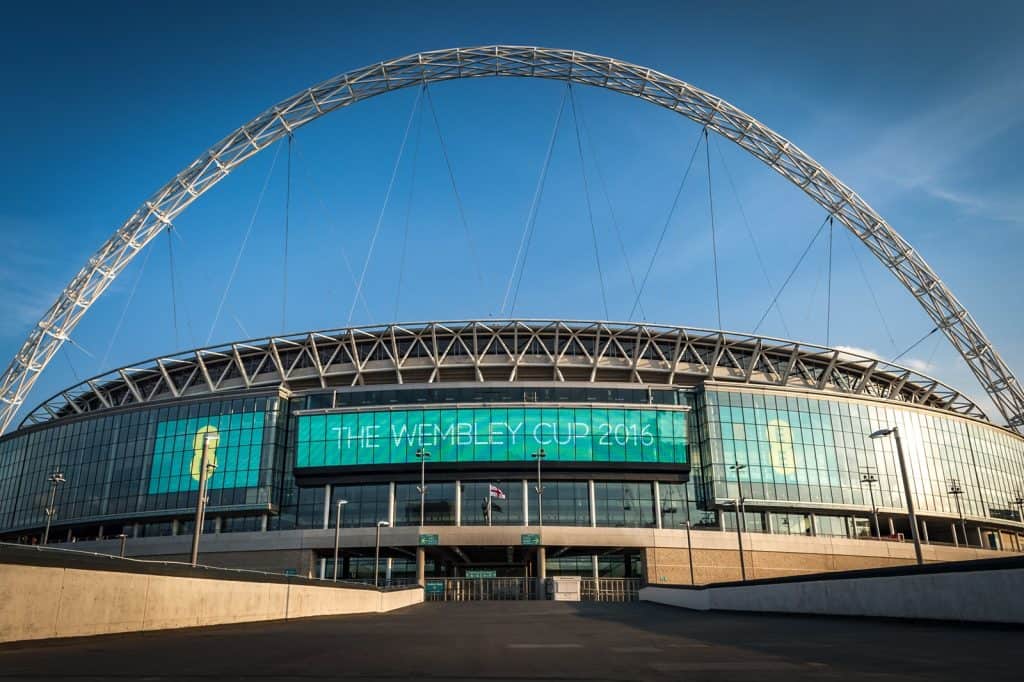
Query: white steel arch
(534, 62)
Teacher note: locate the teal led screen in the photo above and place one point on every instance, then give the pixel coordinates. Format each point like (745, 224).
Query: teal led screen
(233, 444)
(567, 434)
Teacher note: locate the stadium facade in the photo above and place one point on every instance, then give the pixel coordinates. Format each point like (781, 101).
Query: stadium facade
(641, 428)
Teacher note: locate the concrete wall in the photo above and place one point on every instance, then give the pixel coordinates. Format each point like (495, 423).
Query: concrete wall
(45, 601)
(992, 596)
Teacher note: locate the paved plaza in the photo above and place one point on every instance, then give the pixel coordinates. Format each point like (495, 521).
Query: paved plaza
(533, 640)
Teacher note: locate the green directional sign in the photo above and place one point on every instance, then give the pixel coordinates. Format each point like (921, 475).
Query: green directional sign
(529, 539)
(429, 539)
(492, 434)
(434, 587)
(481, 573)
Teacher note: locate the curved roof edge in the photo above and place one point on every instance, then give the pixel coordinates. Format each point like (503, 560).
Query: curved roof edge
(509, 350)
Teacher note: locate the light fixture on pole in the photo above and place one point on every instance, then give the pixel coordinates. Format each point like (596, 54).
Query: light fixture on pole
(956, 491)
(376, 552)
(869, 479)
(55, 479)
(337, 534)
(740, 513)
(1019, 502)
(539, 455)
(895, 433)
(206, 469)
(422, 455)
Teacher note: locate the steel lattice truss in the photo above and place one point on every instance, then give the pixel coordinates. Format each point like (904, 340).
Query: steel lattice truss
(520, 351)
(566, 65)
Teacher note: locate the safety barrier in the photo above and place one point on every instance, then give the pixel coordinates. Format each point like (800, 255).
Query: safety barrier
(610, 589)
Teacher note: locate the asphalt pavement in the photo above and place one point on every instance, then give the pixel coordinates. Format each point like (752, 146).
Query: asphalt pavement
(535, 641)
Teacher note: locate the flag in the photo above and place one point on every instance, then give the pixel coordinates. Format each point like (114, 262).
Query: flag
(497, 492)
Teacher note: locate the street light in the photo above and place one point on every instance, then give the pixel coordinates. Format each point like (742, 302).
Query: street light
(206, 470)
(956, 491)
(422, 455)
(895, 433)
(539, 455)
(55, 479)
(376, 553)
(337, 534)
(740, 513)
(869, 479)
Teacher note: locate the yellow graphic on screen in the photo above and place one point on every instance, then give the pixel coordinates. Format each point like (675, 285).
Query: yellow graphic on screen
(780, 446)
(207, 437)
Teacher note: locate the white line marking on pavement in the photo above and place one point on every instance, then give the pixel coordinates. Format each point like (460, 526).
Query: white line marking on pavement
(544, 646)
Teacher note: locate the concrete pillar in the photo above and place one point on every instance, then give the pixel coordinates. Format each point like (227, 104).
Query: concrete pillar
(814, 525)
(323, 567)
(658, 521)
(175, 526)
(924, 532)
(595, 571)
(956, 539)
(892, 527)
(327, 506)
(526, 503)
(99, 532)
(421, 566)
(387, 569)
(135, 529)
(593, 504)
(218, 523)
(458, 503)
(391, 503)
(542, 571)
(263, 522)
(981, 540)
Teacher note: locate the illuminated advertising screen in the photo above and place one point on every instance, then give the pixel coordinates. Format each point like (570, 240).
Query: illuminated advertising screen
(566, 434)
(233, 443)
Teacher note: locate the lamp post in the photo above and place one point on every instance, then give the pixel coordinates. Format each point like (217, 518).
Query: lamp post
(740, 514)
(869, 479)
(55, 479)
(205, 471)
(956, 491)
(539, 455)
(376, 552)
(422, 455)
(337, 534)
(895, 433)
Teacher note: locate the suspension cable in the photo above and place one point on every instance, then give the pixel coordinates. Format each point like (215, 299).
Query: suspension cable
(67, 356)
(174, 295)
(828, 289)
(586, 193)
(384, 207)
(287, 215)
(915, 344)
(408, 210)
(750, 233)
(714, 236)
(455, 189)
(326, 217)
(871, 290)
(790, 275)
(124, 313)
(531, 216)
(611, 209)
(245, 241)
(664, 229)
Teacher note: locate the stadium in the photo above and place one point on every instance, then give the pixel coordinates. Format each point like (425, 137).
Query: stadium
(621, 452)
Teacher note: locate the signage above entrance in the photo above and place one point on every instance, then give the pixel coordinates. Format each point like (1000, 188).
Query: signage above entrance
(565, 434)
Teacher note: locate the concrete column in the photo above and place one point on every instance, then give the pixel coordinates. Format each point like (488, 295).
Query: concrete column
(594, 566)
(658, 521)
(323, 567)
(263, 522)
(421, 566)
(593, 504)
(135, 529)
(956, 540)
(175, 527)
(458, 503)
(542, 571)
(391, 503)
(526, 503)
(99, 532)
(387, 569)
(218, 523)
(892, 527)
(814, 525)
(769, 527)
(981, 539)
(924, 531)
(327, 506)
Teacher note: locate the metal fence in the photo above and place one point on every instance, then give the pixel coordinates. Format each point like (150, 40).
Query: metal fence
(480, 589)
(609, 589)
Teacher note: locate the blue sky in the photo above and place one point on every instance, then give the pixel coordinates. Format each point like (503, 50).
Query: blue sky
(919, 107)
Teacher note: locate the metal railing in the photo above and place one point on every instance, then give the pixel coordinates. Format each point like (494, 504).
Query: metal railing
(481, 589)
(609, 589)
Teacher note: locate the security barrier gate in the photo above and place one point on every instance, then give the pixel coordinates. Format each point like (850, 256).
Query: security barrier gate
(516, 589)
